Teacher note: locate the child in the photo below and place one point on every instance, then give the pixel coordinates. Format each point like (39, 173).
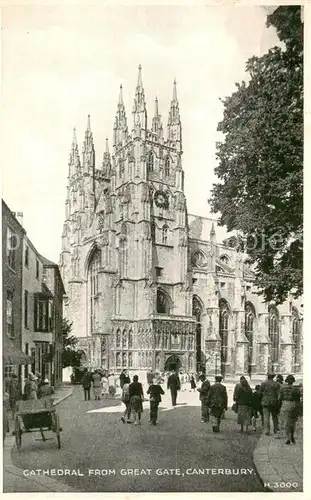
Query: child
(126, 401)
(155, 390)
(256, 406)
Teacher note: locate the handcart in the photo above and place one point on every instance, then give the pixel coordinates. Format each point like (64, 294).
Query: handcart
(36, 415)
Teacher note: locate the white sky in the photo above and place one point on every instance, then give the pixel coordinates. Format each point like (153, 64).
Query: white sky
(60, 64)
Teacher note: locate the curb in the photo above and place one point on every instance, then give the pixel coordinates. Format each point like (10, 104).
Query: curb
(48, 484)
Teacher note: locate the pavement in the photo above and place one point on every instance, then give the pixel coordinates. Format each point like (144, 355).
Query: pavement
(280, 466)
(13, 477)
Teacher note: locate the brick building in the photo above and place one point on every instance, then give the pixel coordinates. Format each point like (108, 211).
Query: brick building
(12, 263)
(149, 285)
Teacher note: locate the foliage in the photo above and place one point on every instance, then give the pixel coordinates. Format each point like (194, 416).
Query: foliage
(71, 356)
(260, 169)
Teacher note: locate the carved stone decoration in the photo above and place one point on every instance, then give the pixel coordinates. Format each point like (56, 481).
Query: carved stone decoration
(180, 202)
(198, 259)
(101, 220)
(145, 193)
(161, 199)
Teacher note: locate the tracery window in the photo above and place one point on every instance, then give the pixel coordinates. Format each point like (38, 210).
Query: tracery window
(223, 331)
(249, 332)
(118, 338)
(130, 339)
(163, 305)
(150, 161)
(274, 335)
(167, 166)
(93, 269)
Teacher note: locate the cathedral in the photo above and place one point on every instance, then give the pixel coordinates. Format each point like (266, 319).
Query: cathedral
(150, 286)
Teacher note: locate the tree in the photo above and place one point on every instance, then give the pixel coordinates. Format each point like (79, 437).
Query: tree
(260, 161)
(71, 356)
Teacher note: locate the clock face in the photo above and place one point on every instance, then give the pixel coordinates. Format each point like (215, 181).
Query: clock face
(160, 199)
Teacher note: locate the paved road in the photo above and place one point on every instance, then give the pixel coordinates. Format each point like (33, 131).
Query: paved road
(98, 440)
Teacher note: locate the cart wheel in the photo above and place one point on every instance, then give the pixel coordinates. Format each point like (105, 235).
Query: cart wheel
(18, 434)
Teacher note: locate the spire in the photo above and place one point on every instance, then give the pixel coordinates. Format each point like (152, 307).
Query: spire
(156, 120)
(121, 96)
(175, 90)
(139, 101)
(74, 158)
(106, 166)
(88, 147)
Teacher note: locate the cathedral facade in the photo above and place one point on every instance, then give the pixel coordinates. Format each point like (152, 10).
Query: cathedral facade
(149, 285)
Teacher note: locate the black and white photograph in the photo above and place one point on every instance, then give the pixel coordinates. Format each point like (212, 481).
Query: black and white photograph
(152, 247)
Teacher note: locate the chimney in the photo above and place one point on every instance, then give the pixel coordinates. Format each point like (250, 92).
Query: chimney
(19, 217)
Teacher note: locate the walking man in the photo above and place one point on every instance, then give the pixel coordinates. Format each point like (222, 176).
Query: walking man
(217, 401)
(155, 390)
(270, 405)
(204, 391)
(86, 384)
(173, 384)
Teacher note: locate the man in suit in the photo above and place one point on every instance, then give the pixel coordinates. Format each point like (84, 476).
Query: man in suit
(173, 384)
(269, 401)
(204, 390)
(217, 401)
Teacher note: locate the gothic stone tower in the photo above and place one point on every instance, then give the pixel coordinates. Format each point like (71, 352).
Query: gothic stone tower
(125, 246)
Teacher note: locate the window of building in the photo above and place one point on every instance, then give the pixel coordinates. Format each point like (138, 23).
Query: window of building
(27, 256)
(224, 259)
(194, 280)
(167, 166)
(296, 339)
(130, 339)
(11, 247)
(223, 332)
(33, 360)
(93, 269)
(26, 308)
(159, 271)
(41, 315)
(222, 284)
(37, 269)
(26, 366)
(9, 313)
(118, 338)
(164, 235)
(9, 370)
(130, 359)
(249, 333)
(163, 305)
(274, 334)
(248, 288)
(124, 339)
(150, 162)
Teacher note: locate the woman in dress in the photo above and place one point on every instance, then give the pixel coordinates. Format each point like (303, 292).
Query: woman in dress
(97, 388)
(289, 398)
(136, 394)
(243, 396)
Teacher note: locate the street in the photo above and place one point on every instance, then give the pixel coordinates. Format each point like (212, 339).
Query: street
(100, 454)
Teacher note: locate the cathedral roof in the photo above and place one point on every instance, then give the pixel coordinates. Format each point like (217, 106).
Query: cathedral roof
(200, 228)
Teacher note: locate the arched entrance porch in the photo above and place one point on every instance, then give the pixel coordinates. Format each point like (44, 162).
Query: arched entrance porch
(172, 363)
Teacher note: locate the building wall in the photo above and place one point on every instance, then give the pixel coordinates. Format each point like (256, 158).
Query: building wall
(12, 280)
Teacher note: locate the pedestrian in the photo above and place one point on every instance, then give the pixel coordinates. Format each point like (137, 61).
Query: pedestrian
(33, 388)
(289, 398)
(111, 385)
(217, 402)
(86, 384)
(126, 401)
(122, 378)
(136, 399)
(193, 384)
(270, 403)
(46, 391)
(243, 396)
(97, 388)
(256, 407)
(155, 390)
(204, 391)
(173, 384)
(150, 376)
(14, 392)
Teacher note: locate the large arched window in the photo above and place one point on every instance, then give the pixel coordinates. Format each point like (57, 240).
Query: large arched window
(150, 161)
(197, 309)
(274, 336)
(223, 331)
(163, 302)
(296, 339)
(249, 333)
(94, 265)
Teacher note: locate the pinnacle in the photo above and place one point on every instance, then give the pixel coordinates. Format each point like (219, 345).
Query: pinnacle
(156, 107)
(107, 147)
(74, 138)
(139, 81)
(88, 126)
(121, 94)
(175, 90)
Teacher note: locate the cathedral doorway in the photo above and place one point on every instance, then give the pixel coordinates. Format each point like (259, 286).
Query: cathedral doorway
(172, 363)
